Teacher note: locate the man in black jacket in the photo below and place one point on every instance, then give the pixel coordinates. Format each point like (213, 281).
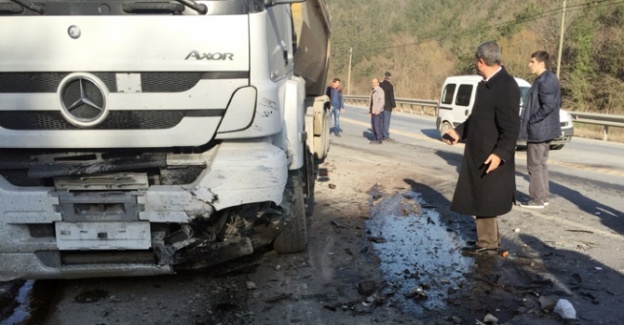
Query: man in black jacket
(539, 124)
(389, 106)
(486, 185)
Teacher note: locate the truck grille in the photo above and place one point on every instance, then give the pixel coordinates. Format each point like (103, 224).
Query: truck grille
(116, 120)
(151, 82)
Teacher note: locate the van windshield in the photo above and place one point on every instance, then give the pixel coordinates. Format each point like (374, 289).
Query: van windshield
(523, 92)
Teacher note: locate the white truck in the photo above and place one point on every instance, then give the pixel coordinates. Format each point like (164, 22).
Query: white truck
(152, 136)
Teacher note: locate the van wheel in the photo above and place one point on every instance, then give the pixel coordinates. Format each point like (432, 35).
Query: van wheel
(445, 126)
(556, 147)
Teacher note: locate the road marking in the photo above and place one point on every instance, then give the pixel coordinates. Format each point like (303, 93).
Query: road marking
(405, 134)
(522, 155)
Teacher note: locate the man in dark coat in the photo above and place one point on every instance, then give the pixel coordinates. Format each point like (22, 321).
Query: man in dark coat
(539, 124)
(389, 106)
(486, 184)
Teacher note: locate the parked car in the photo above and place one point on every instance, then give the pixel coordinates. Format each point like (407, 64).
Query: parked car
(457, 99)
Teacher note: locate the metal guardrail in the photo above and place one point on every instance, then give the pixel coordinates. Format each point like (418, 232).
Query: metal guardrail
(428, 107)
(606, 120)
(403, 104)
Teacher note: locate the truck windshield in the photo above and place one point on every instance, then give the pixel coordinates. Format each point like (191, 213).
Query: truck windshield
(129, 7)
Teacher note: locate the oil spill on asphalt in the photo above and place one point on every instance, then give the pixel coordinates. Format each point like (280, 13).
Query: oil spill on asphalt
(420, 257)
(26, 302)
(22, 309)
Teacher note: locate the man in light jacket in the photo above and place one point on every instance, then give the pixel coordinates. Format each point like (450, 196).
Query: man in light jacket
(539, 124)
(375, 109)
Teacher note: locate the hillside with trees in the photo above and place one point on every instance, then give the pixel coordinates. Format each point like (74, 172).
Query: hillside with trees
(423, 41)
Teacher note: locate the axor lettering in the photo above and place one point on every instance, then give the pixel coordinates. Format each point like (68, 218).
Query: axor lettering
(210, 56)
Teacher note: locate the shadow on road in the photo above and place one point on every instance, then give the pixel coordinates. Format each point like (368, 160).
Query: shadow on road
(609, 216)
(431, 133)
(521, 287)
(453, 159)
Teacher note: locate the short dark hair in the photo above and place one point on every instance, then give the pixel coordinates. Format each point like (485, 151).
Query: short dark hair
(542, 56)
(388, 74)
(490, 53)
(335, 79)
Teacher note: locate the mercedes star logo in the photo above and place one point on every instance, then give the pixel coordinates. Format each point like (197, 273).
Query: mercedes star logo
(83, 100)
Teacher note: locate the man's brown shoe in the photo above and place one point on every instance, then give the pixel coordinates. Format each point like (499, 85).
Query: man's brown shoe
(474, 250)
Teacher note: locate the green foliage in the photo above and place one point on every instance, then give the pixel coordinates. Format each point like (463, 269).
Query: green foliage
(423, 41)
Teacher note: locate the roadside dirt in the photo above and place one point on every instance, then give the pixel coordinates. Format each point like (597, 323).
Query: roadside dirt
(383, 249)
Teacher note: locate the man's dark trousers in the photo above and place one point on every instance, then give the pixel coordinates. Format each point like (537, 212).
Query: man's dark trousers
(377, 127)
(386, 114)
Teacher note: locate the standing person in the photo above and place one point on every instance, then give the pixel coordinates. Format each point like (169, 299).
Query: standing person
(389, 105)
(539, 124)
(375, 109)
(486, 185)
(334, 92)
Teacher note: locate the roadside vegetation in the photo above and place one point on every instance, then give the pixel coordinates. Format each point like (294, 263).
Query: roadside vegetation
(422, 42)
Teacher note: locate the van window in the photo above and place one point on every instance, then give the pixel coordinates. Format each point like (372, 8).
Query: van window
(523, 92)
(447, 94)
(463, 95)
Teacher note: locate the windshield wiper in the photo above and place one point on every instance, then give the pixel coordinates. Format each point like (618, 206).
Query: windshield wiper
(34, 7)
(201, 8)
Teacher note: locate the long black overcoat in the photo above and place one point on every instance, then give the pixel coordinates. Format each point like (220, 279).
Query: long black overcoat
(492, 127)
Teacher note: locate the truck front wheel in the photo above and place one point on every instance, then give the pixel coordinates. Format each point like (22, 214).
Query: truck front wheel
(294, 237)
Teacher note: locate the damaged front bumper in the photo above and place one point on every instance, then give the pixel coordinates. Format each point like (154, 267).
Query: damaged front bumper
(79, 228)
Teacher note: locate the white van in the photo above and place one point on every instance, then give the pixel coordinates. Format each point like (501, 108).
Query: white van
(457, 99)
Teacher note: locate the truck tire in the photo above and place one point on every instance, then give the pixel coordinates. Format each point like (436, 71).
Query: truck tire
(321, 142)
(294, 237)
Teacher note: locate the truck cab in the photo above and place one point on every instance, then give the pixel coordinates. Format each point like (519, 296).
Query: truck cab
(146, 137)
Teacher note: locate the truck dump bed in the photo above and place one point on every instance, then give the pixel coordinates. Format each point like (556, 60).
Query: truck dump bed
(312, 29)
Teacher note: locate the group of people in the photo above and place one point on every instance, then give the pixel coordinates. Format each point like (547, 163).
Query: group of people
(382, 103)
(486, 185)
(380, 109)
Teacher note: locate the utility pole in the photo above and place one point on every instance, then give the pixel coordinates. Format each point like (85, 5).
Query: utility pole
(561, 38)
(349, 75)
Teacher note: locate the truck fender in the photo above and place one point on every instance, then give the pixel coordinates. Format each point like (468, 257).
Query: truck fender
(294, 120)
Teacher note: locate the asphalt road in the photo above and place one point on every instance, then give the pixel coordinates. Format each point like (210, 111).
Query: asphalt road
(583, 159)
(579, 236)
(586, 176)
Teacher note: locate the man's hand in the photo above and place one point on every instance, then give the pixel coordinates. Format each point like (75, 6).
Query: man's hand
(493, 161)
(450, 137)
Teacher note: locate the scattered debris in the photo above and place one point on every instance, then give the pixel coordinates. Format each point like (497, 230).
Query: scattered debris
(366, 288)
(337, 226)
(576, 281)
(490, 319)
(251, 286)
(332, 186)
(547, 303)
(328, 307)
(279, 297)
(377, 239)
(418, 293)
(90, 296)
(579, 230)
(565, 309)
